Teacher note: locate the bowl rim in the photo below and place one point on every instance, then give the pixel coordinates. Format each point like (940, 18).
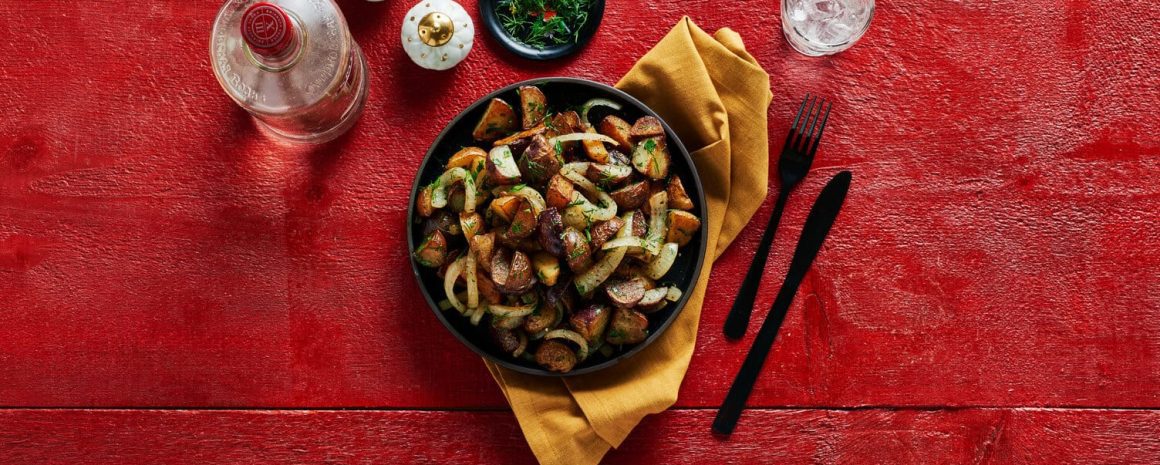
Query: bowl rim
(699, 263)
(492, 24)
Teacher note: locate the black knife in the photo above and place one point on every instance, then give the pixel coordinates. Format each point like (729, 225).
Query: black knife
(818, 224)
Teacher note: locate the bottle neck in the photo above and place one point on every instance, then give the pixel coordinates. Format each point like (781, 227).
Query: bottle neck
(272, 37)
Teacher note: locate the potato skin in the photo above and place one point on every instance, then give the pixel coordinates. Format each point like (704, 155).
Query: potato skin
(498, 119)
(548, 231)
(505, 339)
(559, 193)
(487, 290)
(639, 224)
(466, 158)
(542, 318)
(534, 105)
(519, 139)
(523, 225)
(504, 208)
(678, 198)
(604, 230)
(555, 356)
(432, 253)
(591, 321)
(646, 126)
(577, 250)
(625, 293)
(631, 196)
(539, 161)
(628, 326)
(423, 203)
(682, 226)
(483, 246)
(618, 129)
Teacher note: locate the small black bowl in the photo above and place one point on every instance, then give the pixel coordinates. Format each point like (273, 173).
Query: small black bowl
(561, 93)
(492, 22)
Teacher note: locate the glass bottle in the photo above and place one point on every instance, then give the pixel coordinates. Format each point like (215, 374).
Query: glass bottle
(292, 64)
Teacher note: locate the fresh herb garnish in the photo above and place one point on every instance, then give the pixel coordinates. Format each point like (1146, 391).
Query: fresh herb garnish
(543, 23)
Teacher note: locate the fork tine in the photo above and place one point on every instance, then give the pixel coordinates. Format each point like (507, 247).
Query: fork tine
(796, 131)
(811, 122)
(796, 119)
(814, 147)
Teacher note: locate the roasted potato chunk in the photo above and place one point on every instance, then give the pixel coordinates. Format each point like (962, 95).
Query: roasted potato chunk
(470, 224)
(591, 321)
(625, 293)
(651, 158)
(618, 129)
(432, 253)
(534, 105)
(577, 251)
(616, 157)
(550, 228)
(514, 277)
(653, 188)
(504, 208)
(501, 166)
(521, 137)
(487, 290)
(543, 318)
(423, 202)
(467, 158)
(556, 356)
(595, 149)
(607, 175)
(483, 246)
(540, 161)
(628, 326)
(631, 196)
(646, 126)
(639, 224)
(498, 119)
(682, 226)
(523, 224)
(445, 221)
(559, 192)
(678, 198)
(547, 267)
(603, 231)
(565, 123)
(505, 339)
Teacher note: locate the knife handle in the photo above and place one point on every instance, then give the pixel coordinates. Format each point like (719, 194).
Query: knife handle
(742, 386)
(737, 322)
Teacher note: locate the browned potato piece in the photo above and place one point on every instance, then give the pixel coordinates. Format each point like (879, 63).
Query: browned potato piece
(432, 253)
(616, 157)
(565, 123)
(501, 166)
(471, 224)
(540, 161)
(522, 225)
(604, 230)
(682, 226)
(577, 251)
(630, 197)
(423, 203)
(445, 221)
(456, 199)
(595, 149)
(677, 197)
(591, 321)
(625, 293)
(487, 290)
(534, 105)
(451, 257)
(653, 188)
(505, 339)
(541, 319)
(505, 207)
(555, 356)
(498, 119)
(607, 175)
(514, 277)
(618, 129)
(628, 326)
(559, 192)
(519, 136)
(466, 158)
(547, 267)
(647, 126)
(639, 224)
(651, 158)
(483, 245)
(549, 230)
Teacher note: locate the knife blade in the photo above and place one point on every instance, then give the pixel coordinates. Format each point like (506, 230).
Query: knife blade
(818, 223)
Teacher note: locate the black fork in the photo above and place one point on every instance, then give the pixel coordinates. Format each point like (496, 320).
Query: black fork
(796, 157)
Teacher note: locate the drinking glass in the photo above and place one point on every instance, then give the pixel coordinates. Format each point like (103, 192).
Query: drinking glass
(824, 27)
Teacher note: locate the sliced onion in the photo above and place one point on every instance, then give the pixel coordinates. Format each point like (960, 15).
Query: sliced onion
(446, 304)
(663, 261)
(472, 284)
(442, 187)
(596, 102)
(674, 294)
(525, 192)
(575, 136)
(581, 352)
(453, 271)
(509, 311)
(507, 323)
(659, 204)
(478, 315)
(587, 281)
(523, 344)
(603, 212)
(653, 296)
(539, 335)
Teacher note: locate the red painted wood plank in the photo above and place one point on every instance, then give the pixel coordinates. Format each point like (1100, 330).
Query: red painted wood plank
(999, 247)
(1019, 436)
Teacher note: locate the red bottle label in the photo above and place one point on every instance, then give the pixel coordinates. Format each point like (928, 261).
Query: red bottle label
(267, 29)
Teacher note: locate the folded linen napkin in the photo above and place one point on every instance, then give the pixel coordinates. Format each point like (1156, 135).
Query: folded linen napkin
(715, 97)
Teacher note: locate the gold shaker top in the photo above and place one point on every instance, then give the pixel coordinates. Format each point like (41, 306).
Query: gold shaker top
(436, 29)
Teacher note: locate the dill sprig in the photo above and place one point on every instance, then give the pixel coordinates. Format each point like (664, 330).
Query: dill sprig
(525, 20)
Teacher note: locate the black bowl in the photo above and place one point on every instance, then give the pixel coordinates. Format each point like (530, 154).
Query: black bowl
(561, 93)
(492, 22)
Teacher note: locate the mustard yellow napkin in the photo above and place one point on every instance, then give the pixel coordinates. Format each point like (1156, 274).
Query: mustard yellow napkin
(715, 96)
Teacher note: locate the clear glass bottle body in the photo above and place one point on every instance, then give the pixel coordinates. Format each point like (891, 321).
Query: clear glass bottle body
(312, 90)
(825, 27)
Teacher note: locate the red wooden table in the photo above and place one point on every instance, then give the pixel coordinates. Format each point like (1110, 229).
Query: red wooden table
(174, 288)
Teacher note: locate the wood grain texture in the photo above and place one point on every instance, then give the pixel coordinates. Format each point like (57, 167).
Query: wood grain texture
(999, 247)
(987, 436)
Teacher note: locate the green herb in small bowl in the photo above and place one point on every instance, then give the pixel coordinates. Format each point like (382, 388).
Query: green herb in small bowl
(543, 23)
